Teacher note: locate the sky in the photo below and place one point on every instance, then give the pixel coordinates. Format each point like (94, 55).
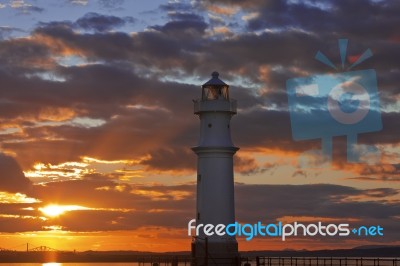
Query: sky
(96, 119)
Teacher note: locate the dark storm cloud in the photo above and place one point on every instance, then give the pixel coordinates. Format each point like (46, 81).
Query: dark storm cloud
(183, 28)
(185, 159)
(289, 48)
(19, 224)
(388, 82)
(267, 129)
(176, 6)
(167, 46)
(101, 23)
(391, 124)
(12, 179)
(86, 87)
(361, 19)
(22, 56)
(79, 94)
(367, 23)
(176, 159)
(184, 16)
(382, 172)
(312, 200)
(282, 14)
(111, 46)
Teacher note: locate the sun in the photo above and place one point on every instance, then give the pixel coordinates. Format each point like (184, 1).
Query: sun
(54, 210)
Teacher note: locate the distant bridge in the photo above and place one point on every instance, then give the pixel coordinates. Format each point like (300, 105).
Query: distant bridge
(41, 248)
(28, 247)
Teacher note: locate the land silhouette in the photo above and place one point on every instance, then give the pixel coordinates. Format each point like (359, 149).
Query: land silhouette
(7, 256)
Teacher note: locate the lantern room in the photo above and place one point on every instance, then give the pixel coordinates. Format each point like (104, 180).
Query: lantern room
(215, 89)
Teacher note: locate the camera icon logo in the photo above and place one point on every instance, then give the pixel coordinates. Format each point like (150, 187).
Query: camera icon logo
(324, 106)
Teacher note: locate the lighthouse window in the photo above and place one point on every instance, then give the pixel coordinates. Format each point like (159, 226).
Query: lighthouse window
(228, 125)
(199, 178)
(215, 92)
(209, 125)
(198, 216)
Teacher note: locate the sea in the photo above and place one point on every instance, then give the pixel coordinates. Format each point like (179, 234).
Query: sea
(75, 264)
(350, 262)
(252, 263)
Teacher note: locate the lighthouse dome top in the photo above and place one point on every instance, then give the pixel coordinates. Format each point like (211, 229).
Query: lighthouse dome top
(215, 97)
(215, 89)
(214, 81)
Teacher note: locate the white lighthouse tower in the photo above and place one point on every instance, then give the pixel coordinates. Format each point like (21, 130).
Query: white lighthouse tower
(215, 184)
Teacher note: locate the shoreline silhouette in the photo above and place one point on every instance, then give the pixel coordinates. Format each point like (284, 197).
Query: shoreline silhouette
(138, 256)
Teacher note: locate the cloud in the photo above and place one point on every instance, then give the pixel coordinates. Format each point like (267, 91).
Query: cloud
(389, 172)
(101, 23)
(12, 179)
(111, 3)
(6, 31)
(176, 6)
(245, 165)
(23, 56)
(23, 7)
(182, 28)
(79, 2)
(323, 18)
(175, 159)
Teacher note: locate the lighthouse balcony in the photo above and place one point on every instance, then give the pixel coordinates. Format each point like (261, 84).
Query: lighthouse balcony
(217, 105)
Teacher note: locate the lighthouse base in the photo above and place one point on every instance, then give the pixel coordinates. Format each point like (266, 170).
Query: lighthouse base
(215, 253)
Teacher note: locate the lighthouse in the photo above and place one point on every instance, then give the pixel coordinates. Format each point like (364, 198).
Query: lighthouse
(215, 184)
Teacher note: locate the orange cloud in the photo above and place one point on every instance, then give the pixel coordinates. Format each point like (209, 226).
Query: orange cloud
(222, 30)
(158, 195)
(57, 46)
(56, 114)
(12, 198)
(222, 10)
